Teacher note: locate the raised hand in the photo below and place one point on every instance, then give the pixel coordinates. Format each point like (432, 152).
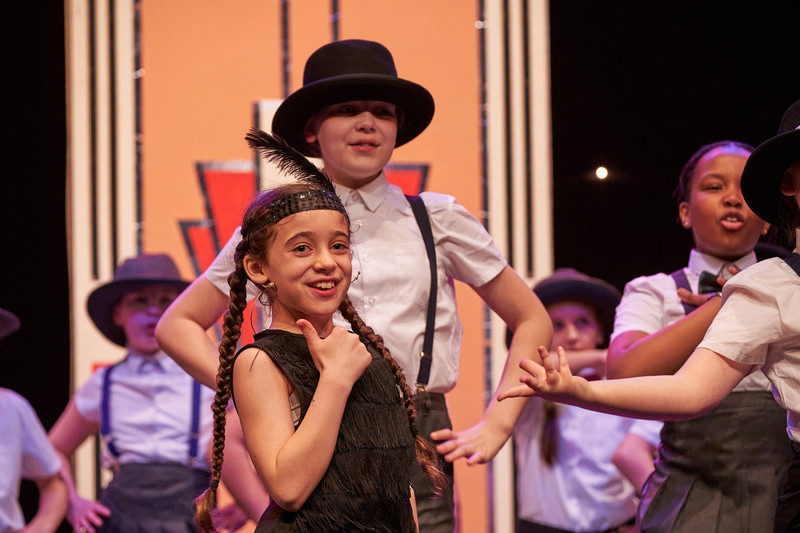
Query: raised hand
(545, 379)
(341, 356)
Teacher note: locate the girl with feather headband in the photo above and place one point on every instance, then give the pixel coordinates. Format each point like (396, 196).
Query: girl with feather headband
(327, 414)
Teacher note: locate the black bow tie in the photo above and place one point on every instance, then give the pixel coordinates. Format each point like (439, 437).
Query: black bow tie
(708, 283)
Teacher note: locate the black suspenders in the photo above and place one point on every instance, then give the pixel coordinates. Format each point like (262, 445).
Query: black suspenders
(424, 223)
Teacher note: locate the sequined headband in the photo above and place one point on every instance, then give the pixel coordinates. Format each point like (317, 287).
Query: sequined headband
(298, 202)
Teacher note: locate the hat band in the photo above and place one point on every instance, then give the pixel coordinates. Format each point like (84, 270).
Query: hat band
(298, 202)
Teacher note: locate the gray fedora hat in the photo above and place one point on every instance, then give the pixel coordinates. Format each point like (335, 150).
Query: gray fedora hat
(131, 274)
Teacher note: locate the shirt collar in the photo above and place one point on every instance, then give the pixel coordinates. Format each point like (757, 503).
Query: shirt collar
(698, 262)
(136, 359)
(372, 194)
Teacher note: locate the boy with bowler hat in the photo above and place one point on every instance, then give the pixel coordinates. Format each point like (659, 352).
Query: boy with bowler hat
(352, 111)
(26, 453)
(154, 418)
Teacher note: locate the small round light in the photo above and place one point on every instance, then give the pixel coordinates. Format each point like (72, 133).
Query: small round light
(601, 173)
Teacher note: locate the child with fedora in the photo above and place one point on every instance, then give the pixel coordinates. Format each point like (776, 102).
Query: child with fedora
(154, 419)
(26, 453)
(756, 331)
(566, 478)
(352, 111)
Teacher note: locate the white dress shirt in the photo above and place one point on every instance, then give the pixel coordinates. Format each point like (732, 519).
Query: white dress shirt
(651, 303)
(583, 490)
(150, 411)
(391, 292)
(759, 324)
(25, 452)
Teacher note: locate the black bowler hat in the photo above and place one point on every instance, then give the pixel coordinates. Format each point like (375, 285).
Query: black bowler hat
(134, 273)
(352, 70)
(764, 169)
(570, 285)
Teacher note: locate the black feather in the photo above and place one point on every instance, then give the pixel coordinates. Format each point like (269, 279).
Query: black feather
(287, 159)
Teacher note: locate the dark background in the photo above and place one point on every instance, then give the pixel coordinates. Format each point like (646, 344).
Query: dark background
(637, 85)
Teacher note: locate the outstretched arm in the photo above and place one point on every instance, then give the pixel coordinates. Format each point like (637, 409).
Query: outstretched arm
(635, 353)
(181, 331)
(704, 381)
(511, 298)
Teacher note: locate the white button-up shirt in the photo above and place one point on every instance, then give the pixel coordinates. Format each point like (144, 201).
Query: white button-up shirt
(651, 303)
(391, 293)
(150, 411)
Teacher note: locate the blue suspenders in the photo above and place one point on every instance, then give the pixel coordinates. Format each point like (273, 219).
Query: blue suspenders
(679, 277)
(105, 417)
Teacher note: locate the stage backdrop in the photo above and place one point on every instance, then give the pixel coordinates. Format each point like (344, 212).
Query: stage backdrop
(161, 95)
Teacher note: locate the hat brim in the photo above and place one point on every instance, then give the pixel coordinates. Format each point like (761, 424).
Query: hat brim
(602, 297)
(9, 323)
(763, 171)
(295, 111)
(102, 300)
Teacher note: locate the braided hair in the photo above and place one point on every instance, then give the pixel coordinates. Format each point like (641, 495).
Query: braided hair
(258, 233)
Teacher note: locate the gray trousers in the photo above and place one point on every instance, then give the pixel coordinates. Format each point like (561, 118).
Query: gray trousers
(436, 515)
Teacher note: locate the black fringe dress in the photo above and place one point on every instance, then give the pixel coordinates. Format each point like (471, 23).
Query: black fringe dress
(366, 486)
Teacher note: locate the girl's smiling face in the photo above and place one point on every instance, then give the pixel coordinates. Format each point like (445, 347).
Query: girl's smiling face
(722, 224)
(356, 139)
(309, 262)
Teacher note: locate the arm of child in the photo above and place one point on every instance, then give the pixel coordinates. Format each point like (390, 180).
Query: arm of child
(181, 331)
(704, 381)
(291, 463)
(69, 432)
(634, 458)
(52, 505)
(636, 353)
(238, 474)
(511, 298)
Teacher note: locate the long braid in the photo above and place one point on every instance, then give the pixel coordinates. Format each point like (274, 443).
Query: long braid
(232, 327)
(425, 452)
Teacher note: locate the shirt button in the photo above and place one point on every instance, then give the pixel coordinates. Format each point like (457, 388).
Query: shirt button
(371, 300)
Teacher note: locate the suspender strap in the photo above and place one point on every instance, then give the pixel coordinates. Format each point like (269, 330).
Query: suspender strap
(424, 223)
(105, 416)
(679, 276)
(794, 262)
(195, 433)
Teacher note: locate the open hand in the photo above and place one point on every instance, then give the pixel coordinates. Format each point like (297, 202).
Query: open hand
(86, 516)
(544, 379)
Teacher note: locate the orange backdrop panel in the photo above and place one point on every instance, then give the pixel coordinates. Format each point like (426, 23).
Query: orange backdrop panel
(206, 64)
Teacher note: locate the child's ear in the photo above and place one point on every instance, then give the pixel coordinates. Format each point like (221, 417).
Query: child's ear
(310, 131)
(683, 215)
(255, 270)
